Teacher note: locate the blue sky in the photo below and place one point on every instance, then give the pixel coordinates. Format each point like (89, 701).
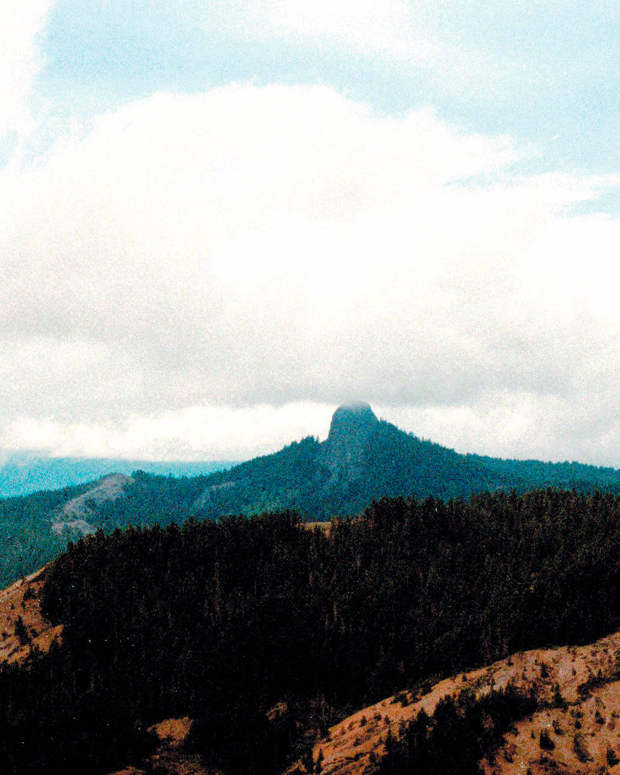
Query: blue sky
(546, 73)
(223, 218)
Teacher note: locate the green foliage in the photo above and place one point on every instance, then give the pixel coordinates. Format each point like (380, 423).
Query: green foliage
(461, 731)
(223, 621)
(300, 477)
(26, 540)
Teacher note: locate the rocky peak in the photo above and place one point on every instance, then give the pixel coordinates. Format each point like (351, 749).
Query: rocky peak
(351, 427)
(350, 421)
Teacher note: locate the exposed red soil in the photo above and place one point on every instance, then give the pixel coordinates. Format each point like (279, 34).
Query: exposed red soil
(22, 600)
(581, 737)
(355, 745)
(170, 758)
(326, 527)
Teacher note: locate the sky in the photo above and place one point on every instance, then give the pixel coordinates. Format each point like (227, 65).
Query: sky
(221, 219)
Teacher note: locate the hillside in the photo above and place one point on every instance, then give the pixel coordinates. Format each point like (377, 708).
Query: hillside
(576, 710)
(575, 713)
(23, 628)
(363, 459)
(267, 634)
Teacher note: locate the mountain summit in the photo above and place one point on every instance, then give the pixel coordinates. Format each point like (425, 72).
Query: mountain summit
(362, 460)
(351, 421)
(351, 427)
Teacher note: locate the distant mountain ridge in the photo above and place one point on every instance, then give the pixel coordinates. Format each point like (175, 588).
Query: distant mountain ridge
(363, 459)
(22, 473)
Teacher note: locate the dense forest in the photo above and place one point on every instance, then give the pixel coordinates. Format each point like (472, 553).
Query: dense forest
(26, 539)
(224, 621)
(363, 459)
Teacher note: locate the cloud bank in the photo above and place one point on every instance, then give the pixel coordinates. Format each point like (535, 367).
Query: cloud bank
(286, 246)
(20, 61)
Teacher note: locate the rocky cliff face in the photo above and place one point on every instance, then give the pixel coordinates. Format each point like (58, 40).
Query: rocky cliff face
(344, 450)
(76, 512)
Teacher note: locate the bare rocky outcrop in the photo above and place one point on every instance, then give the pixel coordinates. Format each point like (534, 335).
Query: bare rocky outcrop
(345, 449)
(342, 458)
(76, 512)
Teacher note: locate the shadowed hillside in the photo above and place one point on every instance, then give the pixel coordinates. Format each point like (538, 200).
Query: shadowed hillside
(267, 633)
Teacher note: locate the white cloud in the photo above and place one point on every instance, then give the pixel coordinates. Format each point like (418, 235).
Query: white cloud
(522, 425)
(271, 246)
(388, 29)
(20, 60)
(404, 36)
(173, 435)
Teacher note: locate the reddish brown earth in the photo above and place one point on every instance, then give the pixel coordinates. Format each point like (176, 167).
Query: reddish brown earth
(580, 737)
(22, 599)
(170, 758)
(326, 527)
(355, 745)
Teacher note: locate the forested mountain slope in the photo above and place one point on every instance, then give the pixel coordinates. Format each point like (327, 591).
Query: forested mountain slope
(362, 459)
(27, 540)
(267, 633)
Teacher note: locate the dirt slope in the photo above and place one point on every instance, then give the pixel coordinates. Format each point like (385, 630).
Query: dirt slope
(170, 758)
(21, 602)
(580, 733)
(583, 738)
(586, 678)
(584, 732)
